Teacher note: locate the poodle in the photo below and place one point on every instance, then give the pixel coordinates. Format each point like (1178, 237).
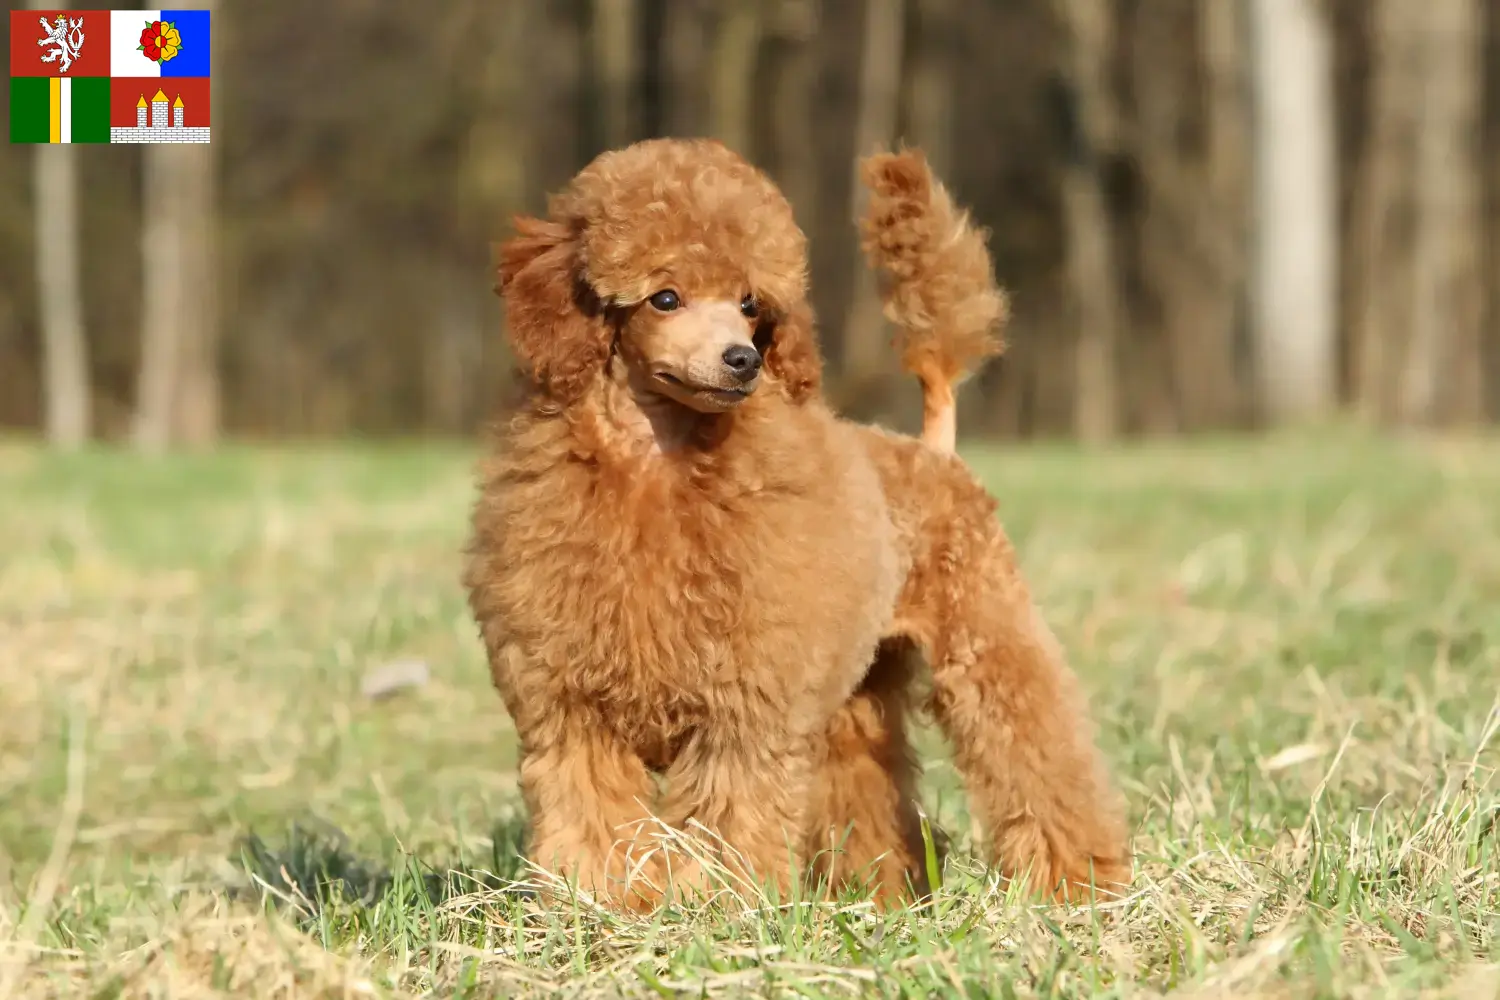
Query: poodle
(707, 600)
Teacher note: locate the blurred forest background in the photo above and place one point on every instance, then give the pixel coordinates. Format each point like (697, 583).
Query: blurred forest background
(1211, 214)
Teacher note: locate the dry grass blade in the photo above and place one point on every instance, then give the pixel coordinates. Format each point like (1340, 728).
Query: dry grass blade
(21, 946)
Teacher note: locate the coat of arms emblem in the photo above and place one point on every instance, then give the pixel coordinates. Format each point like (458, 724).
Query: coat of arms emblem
(65, 37)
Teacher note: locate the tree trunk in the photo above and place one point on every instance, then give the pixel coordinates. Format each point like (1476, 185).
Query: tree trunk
(177, 399)
(199, 398)
(1188, 143)
(1490, 185)
(865, 341)
(178, 391)
(1441, 379)
(788, 102)
(66, 400)
(502, 99)
(556, 143)
(927, 84)
(684, 67)
(1096, 304)
(64, 352)
(732, 74)
(613, 37)
(162, 318)
(1157, 81)
(1416, 335)
(1295, 298)
(1229, 186)
(1383, 217)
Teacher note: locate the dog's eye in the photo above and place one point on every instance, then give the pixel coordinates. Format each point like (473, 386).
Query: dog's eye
(665, 300)
(749, 308)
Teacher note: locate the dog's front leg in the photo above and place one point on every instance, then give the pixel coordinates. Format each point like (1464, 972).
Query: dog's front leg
(590, 802)
(739, 796)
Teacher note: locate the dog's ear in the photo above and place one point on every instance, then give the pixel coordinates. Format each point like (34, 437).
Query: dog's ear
(557, 329)
(791, 355)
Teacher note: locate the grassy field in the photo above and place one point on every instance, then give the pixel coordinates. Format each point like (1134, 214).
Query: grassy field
(1293, 648)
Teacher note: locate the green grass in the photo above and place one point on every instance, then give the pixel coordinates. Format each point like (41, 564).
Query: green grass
(1292, 647)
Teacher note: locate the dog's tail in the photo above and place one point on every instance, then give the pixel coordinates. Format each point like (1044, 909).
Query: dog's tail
(936, 281)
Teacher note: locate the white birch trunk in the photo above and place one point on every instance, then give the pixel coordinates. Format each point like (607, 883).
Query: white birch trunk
(1295, 277)
(60, 298)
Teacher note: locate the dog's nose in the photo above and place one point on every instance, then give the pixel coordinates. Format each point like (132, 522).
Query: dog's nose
(743, 361)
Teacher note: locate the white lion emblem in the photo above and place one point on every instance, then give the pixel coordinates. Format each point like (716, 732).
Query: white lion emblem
(67, 36)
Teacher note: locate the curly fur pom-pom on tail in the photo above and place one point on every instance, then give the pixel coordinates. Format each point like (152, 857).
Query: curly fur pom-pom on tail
(937, 282)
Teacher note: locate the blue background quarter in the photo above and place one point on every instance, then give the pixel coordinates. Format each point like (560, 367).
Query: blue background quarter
(193, 60)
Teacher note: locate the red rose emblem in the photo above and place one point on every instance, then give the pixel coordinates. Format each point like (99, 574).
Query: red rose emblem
(160, 41)
(151, 40)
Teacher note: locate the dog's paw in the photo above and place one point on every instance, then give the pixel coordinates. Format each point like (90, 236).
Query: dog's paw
(1053, 868)
(1092, 880)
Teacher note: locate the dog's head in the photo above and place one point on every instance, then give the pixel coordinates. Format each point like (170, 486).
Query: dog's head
(679, 258)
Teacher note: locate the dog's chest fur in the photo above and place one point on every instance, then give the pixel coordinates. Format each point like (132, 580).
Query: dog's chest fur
(658, 604)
